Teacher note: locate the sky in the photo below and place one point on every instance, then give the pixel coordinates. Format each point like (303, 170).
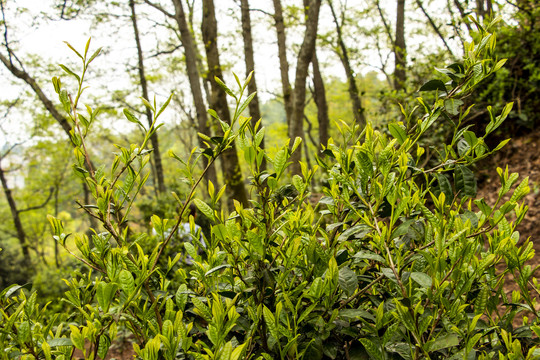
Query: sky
(47, 38)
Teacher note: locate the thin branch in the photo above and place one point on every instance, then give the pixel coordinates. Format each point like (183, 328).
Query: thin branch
(386, 26)
(51, 190)
(159, 8)
(166, 52)
(435, 27)
(6, 153)
(5, 29)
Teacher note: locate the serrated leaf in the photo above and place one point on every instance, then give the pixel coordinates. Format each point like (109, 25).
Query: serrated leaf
(445, 187)
(470, 138)
(127, 283)
(60, 342)
(131, 118)
(422, 279)
(68, 70)
(104, 294)
(224, 87)
(452, 106)
(298, 183)
(359, 231)
(433, 85)
(373, 350)
(368, 255)
(181, 297)
(280, 160)
(94, 55)
(164, 106)
(204, 208)
(443, 342)
(245, 104)
(73, 49)
(348, 280)
(217, 268)
(271, 323)
(499, 65)
(296, 144)
(259, 137)
(353, 314)
(104, 345)
(397, 132)
(521, 190)
(465, 181)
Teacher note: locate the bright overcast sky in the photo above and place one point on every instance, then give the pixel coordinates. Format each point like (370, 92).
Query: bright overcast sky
(48, 38)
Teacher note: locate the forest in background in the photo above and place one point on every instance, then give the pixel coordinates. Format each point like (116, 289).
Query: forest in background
(350, 61)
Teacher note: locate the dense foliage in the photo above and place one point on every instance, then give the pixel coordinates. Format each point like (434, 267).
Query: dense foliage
(394, 261)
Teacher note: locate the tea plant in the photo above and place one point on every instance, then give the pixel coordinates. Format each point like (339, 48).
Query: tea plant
(395, 261)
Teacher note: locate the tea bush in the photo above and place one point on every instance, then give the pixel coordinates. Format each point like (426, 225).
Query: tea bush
(395, 261)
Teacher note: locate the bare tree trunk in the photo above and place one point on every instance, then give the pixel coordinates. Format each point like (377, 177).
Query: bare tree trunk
(194, 81)
(320, 100)
(229, 160)
(200, 64)
(304, 58)
(484, 8)
(254, 109)
(283, 63)
(399, 48)
(21, 235)
(144, 86)
(358, 110)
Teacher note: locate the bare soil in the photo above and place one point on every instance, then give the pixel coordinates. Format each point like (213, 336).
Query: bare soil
(522, 156)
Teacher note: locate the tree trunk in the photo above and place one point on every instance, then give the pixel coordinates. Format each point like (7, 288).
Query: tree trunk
(229, 160)
(283, 63)
(358, 110)
(399, 48)
(144, 86)
(304, 58)
(484, 8)
(194, 81)
(254, 109)
(21, 235)
(319, 95)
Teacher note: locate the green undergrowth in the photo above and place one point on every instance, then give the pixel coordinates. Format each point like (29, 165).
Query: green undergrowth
(395, 261)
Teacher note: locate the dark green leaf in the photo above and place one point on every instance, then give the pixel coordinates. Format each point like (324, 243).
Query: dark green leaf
(368, 255)
(443, 342)
(60, 342)
(433, 85)
(359, 231)
(217, 268)
(353, 314)
(347, 280)
(465, 181)
(452, 106)
(445, 187)
(421, 279)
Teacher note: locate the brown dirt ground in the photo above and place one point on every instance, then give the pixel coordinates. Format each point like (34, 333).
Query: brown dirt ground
(521, 155)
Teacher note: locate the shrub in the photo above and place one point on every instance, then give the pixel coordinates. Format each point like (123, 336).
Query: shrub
(395, 261)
